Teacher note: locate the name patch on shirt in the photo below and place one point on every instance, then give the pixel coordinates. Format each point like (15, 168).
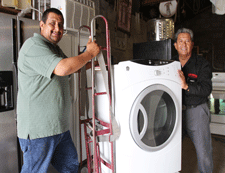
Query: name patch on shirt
(192, 77)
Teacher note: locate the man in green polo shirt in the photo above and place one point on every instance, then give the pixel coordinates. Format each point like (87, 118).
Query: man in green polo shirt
(43, 103)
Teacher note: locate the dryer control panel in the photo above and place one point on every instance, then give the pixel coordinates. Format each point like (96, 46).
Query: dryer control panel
(153, 62)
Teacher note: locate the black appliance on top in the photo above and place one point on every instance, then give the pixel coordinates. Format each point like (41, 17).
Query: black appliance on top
(163, 49)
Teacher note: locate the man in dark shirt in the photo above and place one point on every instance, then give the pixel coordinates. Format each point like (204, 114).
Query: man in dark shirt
(196, 83)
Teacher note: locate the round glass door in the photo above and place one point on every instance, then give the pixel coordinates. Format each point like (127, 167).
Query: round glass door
(153, 117)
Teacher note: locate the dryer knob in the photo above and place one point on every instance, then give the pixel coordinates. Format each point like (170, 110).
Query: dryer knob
(157, 73)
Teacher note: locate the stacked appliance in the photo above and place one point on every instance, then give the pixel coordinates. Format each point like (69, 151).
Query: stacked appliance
(153, 49)
(148, 109)
(159, 45)
(155, 114)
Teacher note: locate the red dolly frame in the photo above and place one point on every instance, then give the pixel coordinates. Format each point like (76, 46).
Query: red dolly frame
(93, 157)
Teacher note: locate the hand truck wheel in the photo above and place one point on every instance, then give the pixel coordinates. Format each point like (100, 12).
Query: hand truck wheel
(83, 168)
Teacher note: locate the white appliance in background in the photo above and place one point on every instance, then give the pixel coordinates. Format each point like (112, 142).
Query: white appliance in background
(148, 110)
(71, 49)
(217, 104)
(76, 13)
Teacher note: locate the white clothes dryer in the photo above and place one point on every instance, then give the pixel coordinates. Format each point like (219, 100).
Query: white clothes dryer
(148, 109)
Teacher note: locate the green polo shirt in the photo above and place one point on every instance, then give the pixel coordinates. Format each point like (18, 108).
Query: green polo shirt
(43, 102)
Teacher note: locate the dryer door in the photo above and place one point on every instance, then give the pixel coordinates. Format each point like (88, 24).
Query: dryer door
(154, 117)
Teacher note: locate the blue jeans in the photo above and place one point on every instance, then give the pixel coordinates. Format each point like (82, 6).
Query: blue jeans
(58, 150)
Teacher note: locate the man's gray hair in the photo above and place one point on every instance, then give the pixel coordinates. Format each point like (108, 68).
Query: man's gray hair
(184, 30)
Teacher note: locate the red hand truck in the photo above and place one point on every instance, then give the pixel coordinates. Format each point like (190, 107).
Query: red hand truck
(94, 128)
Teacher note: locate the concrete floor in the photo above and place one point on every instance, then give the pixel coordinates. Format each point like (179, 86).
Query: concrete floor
(189, 159)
